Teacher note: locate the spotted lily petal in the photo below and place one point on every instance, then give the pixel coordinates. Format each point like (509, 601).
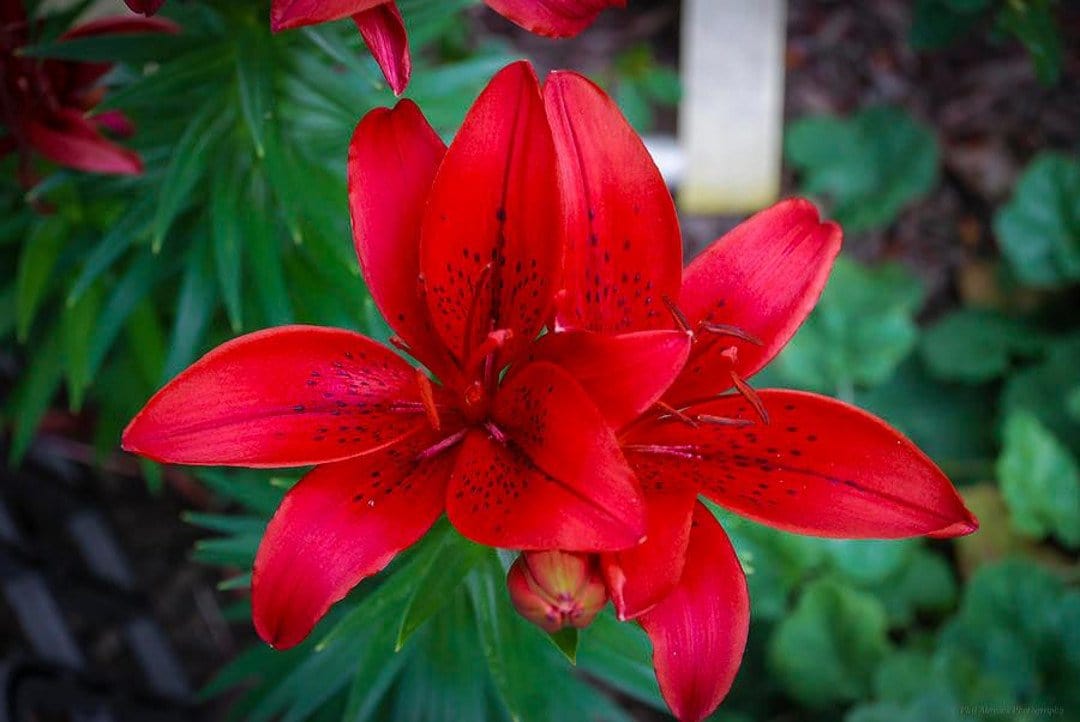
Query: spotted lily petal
(624, 253)
(819, 467)
(342, 523)
(491, 240)
(287, 396)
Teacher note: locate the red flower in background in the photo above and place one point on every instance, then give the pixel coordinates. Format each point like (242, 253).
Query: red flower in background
(383, 29)
(793, 460)
(44, 103)
(145, 7)
(461, 250)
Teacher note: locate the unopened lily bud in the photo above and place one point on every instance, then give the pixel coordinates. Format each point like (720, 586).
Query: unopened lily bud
(555, 589)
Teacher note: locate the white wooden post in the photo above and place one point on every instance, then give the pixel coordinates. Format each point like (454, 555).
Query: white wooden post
(731, 117)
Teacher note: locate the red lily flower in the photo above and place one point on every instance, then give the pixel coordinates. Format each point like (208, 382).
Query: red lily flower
(43, 103)
(460, 248)
(797, 461)
(145, 7)
(383, 29)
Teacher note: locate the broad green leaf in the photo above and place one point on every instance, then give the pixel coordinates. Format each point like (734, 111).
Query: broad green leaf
(435, 587)
(924, 585)
(827, 650)
(976, 345)
(1042, 390)
(870, 166)
(39, 256)
(868, 561)
(1040, 481)
(1019, 626)
(1039, 228)
(929, 707)
(954, 423)
(77, 328)
(862, 328)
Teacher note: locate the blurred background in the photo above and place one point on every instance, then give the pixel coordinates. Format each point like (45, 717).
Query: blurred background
(942, 134)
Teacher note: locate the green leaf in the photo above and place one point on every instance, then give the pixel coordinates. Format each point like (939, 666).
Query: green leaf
(954, 423)
(975, 345)
(146, 339)
(77, 329)
(566, 641)
(862, 328)
(1032, 23)
(177, 78)
(1040, 481)
(827, 650)
(35, 390)
(254, 85)
(453, 560)
(190, 158)
(250, 489)
(936, 23)
(132, 287)
(870, 166)
(868, 561)
(1020, 627)
(620, 654)
(193, 310)
(134, 48)
(121, 235)
(36, 262)
(227, 241)
(1041, 390)
(1039, 228)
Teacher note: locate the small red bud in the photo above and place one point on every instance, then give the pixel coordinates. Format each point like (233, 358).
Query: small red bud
(555, 589)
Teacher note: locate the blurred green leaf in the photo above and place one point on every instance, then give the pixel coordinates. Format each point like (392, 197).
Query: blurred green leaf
(828, 649)
(1040, 481)
(1041, 390)
(1039, 228)
(253, 83)
(120, 236)
(975, 345)
(566, 641)
(77, 328)
(1032, 23)
(194, 307)
(620, 654)
(36, 262)
(868, 561)
(870, 166)
(33, 393)
(1019, 626)
(936, 23)
(860, 330)
(227, 240)
(126, 295)
(134, 48)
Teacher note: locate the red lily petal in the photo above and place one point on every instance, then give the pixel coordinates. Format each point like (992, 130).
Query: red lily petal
(287, 396)
(342, 523)
(146, 7)
(286, 14)
(639, 577)
(553, 18)
(763, 277)
(624, 375)
(699, 631)
(819, 467)
(624, 251)
(491, 240)
(392, 162)
(383, 31)
(71, 140)
(499, 497)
